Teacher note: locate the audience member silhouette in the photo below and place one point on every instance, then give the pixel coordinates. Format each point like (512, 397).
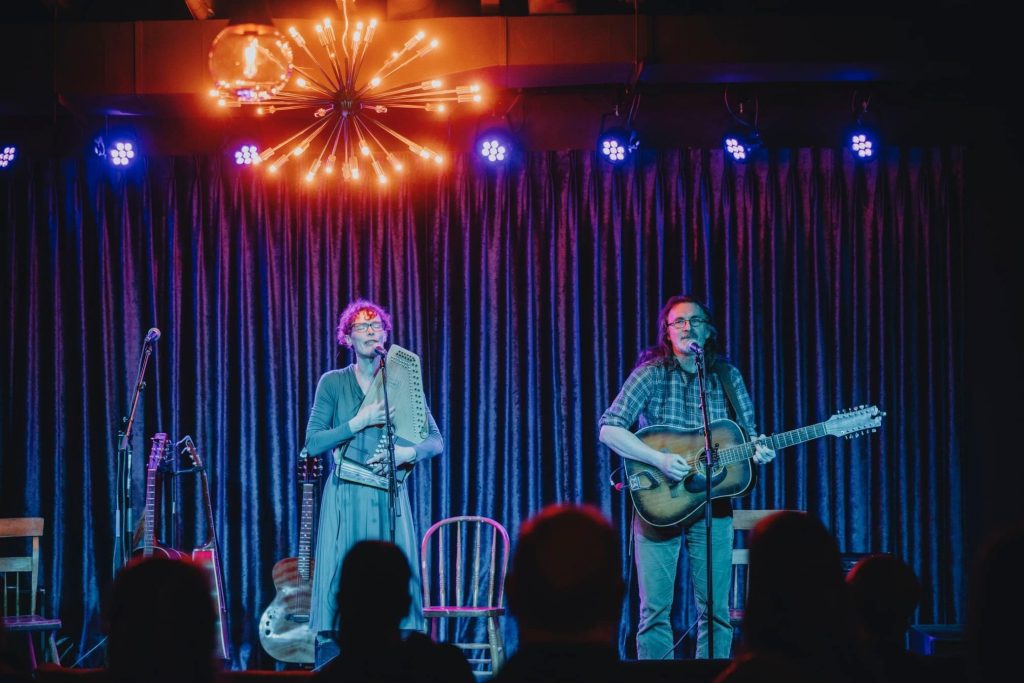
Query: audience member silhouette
(372, 599)
(160, 624)
(995, 606)
(565, 591)
(885, 592)
(797, 625)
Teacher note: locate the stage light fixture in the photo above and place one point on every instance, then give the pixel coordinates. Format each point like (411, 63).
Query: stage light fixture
(7, 155)
(119, 151)
(741, 144)
(122, 153)
(495, 145)
(862, 137)
(615, 145)
(247, 155)
(743, 139)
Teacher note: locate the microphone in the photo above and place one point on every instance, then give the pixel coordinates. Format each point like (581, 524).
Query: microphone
(693, 347)
(379, 350)
(152, 335)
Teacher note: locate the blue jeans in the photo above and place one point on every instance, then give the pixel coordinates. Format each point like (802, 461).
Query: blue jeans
(657, 556)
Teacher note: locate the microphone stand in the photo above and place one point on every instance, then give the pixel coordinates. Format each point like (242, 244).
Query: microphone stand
(709, 459)
(389, 432)
(123, 513)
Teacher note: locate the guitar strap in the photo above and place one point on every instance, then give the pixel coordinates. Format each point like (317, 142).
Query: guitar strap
(720, 369)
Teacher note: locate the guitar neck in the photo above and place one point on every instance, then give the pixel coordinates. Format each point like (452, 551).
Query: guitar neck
(149, 532)
(745, 451)
(306, 531)
(211, 530)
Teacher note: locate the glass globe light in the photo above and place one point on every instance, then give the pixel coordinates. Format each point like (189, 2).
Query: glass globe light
(250, 61)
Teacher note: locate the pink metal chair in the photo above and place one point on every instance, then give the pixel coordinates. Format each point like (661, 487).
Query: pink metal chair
(463, 561)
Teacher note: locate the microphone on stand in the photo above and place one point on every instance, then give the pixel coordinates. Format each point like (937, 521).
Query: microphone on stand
(693, 347)
(380, 351)
(152, 335)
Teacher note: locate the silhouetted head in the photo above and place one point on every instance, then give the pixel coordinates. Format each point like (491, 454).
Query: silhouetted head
(796, 599)
(884, 592)
(373, 592)
(160, 623)
(995, 604)
(566, 576)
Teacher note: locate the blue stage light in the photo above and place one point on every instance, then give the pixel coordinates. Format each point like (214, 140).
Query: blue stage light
(741, 145)
(122, 153)
(863, 142)
(7, 155)
(616, 144)
(495, 145)
(247, 155)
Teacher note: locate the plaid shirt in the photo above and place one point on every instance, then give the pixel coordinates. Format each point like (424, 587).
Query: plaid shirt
(656, 394)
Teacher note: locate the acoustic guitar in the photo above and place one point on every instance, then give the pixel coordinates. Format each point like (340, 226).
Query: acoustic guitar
(663, 502)
(284, 626)
(207, 558)
(148, 546)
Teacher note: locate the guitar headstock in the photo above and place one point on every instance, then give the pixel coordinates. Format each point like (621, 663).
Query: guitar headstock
(310, 468)
(193, 452)
(156, 452)
(855, 421)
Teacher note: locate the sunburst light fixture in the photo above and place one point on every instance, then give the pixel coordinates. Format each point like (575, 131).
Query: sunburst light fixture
(347, 111)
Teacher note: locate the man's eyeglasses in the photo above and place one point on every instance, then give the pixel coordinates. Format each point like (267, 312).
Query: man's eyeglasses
(376, 326)
(680, 323)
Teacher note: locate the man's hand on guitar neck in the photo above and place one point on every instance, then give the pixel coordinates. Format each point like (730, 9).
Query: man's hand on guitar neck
(763, 453)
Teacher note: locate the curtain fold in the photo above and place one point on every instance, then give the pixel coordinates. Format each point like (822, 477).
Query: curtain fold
(527, 290)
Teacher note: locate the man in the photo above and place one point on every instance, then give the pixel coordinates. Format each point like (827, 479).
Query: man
(565, 592)
(663, 390)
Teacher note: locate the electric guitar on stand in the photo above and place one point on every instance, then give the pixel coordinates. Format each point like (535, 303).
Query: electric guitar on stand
(207, 558)
(284, 626)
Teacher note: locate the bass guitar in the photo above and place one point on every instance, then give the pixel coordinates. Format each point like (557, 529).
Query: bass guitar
(284, 626)
(663, 502)
(148, 546)
(207, 558)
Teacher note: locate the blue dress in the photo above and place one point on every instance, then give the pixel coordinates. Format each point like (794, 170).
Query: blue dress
(351, 512)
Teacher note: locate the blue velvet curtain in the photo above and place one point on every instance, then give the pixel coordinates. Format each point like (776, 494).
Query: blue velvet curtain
(528, 291)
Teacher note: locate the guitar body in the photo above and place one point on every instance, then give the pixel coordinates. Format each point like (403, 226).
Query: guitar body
(662, 502)
(160, 550)
(207, 559)
(284, 626)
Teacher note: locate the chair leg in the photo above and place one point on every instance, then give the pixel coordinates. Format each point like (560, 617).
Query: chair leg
(494, 639)
(53, 649)
(31, 651)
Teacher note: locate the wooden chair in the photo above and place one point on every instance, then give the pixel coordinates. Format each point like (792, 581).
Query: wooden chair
(16, 618)
(463, 562)
(742, 522)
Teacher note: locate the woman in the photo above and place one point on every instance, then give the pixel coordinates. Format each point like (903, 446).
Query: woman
(352, 512)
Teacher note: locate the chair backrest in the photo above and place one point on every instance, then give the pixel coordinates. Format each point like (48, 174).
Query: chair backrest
(12, 569)
(742, 522)
(469, 556)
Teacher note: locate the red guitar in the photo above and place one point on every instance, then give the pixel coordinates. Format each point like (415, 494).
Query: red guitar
(284, 626)
(207, 557)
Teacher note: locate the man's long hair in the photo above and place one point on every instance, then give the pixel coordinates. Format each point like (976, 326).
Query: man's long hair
(662, 353)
